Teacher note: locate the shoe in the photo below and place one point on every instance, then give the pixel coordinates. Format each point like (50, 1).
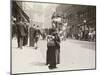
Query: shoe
(46, 64)
(52, 67)
(55, 67)
(36, 47)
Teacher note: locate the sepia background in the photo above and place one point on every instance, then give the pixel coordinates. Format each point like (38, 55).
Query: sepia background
(77, 51)
(4, 67)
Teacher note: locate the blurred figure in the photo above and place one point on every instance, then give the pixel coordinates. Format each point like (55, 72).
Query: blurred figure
(25, 39)
(43, 35)
(14, 29)
(32, 35)
(86, 35)
(94, 35)
(90, 35)
(36, 36)
(20, 33)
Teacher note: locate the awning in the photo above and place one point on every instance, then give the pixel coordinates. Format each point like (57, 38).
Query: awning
(17, 11)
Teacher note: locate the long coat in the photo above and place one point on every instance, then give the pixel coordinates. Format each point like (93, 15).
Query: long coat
(53, 52)
(51, 55)
(31, 36)
(21, 33)
(25, 40)
(57, 46)
(21, 29)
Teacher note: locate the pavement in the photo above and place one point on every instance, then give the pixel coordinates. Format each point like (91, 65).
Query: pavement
(74, 55)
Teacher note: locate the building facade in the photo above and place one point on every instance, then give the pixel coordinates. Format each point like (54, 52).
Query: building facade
(18, 12)
(79, 18)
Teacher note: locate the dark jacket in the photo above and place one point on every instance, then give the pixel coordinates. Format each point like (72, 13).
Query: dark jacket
(57, 41)
(21, 30)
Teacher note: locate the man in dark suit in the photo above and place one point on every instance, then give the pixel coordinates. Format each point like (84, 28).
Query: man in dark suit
(20, 33)
(25, 40)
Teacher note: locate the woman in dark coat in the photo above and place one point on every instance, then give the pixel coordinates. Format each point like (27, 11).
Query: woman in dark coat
(51, 53)
(53, 50)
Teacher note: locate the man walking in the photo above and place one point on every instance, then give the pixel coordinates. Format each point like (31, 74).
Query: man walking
(36, 36)
(20, 33)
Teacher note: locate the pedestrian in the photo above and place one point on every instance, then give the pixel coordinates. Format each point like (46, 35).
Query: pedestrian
(94, 35)
(51, 55)
(36, 36)
(86, 35)
(43, 35)
(13, 29)
(13, 22)
(32, 35)
(51, 52)
(25, 39)
(90, 35)
(20, 33)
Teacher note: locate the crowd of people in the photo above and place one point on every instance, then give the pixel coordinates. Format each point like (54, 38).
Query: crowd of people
(34, 35)
(54, 36)
(22, 32)
(84, 35)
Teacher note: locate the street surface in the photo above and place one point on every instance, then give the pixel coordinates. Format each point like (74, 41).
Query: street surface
(74, 54)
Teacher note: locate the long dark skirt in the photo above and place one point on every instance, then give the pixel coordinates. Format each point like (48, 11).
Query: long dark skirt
(51, 55)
